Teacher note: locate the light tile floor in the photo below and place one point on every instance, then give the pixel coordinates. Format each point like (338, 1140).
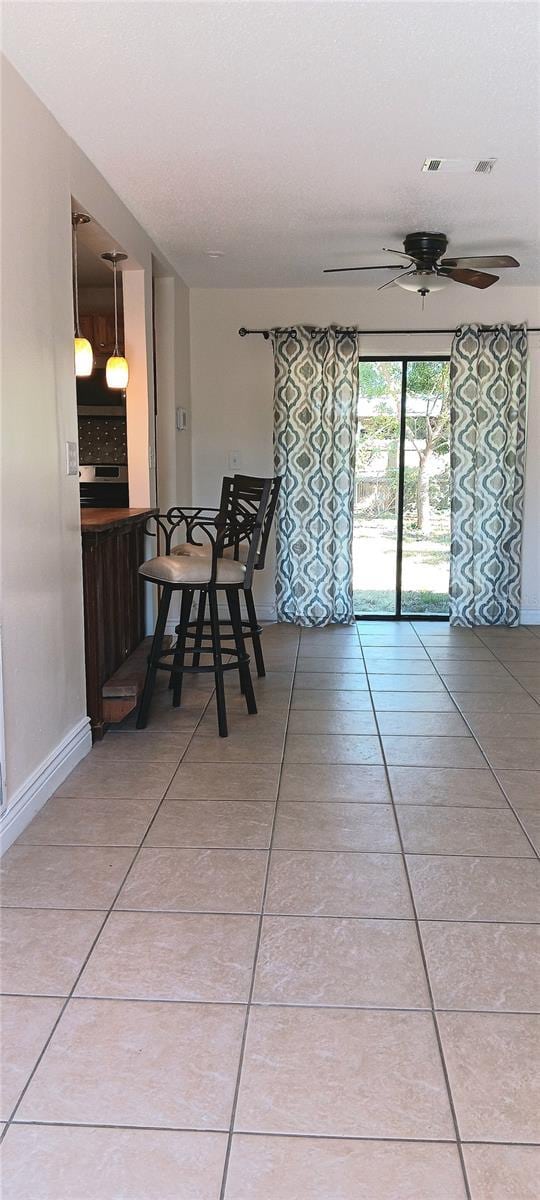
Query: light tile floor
(299, 964)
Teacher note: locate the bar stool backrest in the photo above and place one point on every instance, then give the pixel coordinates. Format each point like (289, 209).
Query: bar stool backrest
(249, 490)
(241, 518)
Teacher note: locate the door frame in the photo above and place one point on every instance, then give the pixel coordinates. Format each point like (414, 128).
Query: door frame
(404, 359)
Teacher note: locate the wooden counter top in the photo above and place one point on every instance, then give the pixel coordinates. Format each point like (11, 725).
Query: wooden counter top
(101, 520)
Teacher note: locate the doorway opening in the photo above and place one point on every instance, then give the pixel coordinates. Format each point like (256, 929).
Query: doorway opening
(401, 539)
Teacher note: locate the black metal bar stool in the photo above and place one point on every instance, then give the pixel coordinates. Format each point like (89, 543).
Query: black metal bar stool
(208, 574)
(248, 491)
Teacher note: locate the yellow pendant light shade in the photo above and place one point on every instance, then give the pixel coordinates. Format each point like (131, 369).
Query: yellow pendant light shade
(117, 372)
(84, 358)
(84, 355)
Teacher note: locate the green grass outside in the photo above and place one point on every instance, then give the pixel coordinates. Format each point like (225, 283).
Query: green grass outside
(367, 603)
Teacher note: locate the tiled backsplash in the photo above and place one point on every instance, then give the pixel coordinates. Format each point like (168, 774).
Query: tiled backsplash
(102, 440)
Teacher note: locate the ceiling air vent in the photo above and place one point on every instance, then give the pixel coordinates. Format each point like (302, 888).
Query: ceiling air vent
(460, 166)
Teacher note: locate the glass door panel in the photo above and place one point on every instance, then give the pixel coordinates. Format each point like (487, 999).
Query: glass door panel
(401, 541)
(426, 491)
(375, 537)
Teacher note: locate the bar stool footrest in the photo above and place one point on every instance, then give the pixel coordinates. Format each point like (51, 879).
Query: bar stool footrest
(248, 630)
(160, 665)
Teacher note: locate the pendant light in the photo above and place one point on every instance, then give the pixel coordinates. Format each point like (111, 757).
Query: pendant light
(84, 355)
(116, 370)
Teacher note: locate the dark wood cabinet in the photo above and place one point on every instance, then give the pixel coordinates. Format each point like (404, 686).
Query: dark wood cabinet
(99, 329)
(112, 551)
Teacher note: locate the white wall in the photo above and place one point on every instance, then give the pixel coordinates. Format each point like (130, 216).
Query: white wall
(232, 377)
(173, 387)
(46, 728)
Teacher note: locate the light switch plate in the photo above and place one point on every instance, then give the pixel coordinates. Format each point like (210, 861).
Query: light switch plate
(72, 458)
(235, 460)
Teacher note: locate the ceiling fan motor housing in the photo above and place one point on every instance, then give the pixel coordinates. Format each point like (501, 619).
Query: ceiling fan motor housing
(425, 248)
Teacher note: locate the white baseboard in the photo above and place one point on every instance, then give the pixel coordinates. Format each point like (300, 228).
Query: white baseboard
(35, 792)
(266, 612)
(530, 616)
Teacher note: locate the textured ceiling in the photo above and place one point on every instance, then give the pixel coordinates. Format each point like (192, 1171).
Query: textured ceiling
(291, 136)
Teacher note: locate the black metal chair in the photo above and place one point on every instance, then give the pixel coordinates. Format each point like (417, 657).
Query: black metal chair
(210, 574)
(248, 490)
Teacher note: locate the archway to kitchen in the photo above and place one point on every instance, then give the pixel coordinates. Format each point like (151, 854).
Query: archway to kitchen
(116, 443)
(117, 464)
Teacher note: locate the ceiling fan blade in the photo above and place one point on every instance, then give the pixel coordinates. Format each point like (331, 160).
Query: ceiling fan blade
(477, 279)
(481, 261)
(400, 253)
(394, 280)
(387, 267)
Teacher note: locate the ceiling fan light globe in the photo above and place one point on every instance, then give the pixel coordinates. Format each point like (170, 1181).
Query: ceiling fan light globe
(423, 282)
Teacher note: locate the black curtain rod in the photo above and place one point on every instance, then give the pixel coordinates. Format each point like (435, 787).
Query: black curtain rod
(390, 332)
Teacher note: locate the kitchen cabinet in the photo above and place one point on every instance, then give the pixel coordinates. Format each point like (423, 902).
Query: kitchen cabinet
(99, 329)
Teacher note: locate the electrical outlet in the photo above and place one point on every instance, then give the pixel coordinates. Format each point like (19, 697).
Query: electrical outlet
(72, 458)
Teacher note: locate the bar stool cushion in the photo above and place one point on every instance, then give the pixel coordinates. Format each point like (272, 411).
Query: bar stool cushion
(179, 569)
(190, 550)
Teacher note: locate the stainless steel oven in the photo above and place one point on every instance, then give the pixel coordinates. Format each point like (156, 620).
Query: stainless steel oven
(104, 485)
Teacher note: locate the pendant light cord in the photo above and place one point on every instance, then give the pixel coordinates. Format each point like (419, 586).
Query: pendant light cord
(115, 268)
(75, 281)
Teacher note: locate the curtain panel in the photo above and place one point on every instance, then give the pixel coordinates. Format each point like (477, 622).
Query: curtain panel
(488, 390)
(315, 399)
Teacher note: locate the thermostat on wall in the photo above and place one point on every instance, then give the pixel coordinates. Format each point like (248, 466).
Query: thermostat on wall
(181, 418)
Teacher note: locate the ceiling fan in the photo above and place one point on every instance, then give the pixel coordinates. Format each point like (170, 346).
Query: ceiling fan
(427, 271)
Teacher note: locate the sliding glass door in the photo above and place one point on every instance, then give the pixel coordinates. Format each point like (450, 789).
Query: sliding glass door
(401, 547)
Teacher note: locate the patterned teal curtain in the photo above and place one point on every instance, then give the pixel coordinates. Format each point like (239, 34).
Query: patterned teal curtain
(488, 386)
(315, 397)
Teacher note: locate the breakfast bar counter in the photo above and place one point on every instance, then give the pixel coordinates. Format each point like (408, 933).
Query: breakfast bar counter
(113, 547)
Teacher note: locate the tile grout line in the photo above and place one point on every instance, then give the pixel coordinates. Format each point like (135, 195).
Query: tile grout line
(504, 665)
(308, 916)
(256, 951)
(285, 849)
(326, 763)
(310, 1004)
(516, 814)
(144, 762)
(465, 717)
(492, 771)
(438, 1038)
(490, 768)
(70, 994)
(108, 912)
(329, 1137)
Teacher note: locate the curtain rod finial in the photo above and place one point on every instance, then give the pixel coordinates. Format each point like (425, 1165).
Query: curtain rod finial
(244, 332)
